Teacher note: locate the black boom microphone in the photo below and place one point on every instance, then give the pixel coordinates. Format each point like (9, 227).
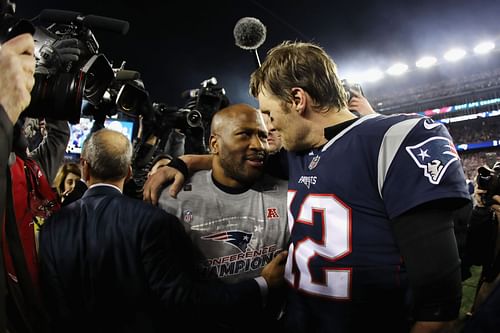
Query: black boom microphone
(90, 21)
(249, 34)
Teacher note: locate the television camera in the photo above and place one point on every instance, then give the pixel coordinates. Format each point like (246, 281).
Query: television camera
(69, 67)
(488, 179)
(163, 125)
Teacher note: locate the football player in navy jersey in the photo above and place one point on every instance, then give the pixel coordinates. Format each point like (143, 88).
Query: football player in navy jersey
(370, 204)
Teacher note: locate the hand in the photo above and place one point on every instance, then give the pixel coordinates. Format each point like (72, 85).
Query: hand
(478, 196)
(157, 180)
(17, 68)
(67, 50)
(54, 57)
(433, 327)
(65, 194)
(360, 104)
(158, 165)
(274, 271)
(496, 207)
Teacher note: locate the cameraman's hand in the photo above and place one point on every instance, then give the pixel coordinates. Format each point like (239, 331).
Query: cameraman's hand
(68, 49)
(17, 67)
(158, 179)
(274, 271)
(59, 54)
(360, 104)
(496, 207)
(478, 196)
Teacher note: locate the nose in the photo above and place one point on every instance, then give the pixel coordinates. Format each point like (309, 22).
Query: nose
(257, 143)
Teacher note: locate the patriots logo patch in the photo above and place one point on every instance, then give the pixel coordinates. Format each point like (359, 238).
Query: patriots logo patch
(236, 238)
(434, 155)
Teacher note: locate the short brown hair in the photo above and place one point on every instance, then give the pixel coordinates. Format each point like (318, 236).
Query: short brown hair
(303, 65)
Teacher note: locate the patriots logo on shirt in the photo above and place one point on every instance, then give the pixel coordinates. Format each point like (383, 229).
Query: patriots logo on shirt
(236, 238)
(434, 155)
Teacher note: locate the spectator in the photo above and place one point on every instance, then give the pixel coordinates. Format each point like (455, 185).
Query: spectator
(483, 249)
(66, 178)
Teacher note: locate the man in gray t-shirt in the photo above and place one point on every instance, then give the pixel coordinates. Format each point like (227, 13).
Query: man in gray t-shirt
(234, 213)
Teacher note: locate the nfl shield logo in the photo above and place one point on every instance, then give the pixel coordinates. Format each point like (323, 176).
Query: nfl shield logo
(314, 162)
(187, 216)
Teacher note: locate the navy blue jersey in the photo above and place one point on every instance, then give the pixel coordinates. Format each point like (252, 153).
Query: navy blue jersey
(341, 197)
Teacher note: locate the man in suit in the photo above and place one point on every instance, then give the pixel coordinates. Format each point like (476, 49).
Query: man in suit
(110, 263)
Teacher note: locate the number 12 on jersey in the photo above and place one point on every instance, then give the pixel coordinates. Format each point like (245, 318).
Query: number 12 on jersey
(335, 243)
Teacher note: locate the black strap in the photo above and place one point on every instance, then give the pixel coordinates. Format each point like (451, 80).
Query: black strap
(180, 165)
(3, 285)
(33, 309)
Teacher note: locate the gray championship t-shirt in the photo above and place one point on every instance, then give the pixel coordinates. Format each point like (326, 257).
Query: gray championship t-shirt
(237, 233)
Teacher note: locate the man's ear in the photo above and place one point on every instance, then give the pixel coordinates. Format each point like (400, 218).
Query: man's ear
(214, 144)
(129, 173)
(84, 165)
(299, 99)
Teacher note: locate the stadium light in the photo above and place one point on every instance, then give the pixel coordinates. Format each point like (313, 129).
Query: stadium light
(373, 75)
(484, 47)
(353, 77)
(454, 54)
(426, 62)
(397, 69)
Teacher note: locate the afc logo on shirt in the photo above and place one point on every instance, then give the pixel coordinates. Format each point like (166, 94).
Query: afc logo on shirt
(272, 214)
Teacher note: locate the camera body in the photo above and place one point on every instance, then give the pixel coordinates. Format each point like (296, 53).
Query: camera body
(488, 179)
(69, 67)
(61, 86)
(195, 115)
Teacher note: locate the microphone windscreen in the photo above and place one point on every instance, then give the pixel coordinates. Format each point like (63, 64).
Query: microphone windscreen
(249, 33)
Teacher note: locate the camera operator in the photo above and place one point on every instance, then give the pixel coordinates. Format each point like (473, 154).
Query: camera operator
(17, 67)
(483, 249)
(359, 104)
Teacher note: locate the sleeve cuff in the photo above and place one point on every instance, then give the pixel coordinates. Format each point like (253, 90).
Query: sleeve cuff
(263, 288)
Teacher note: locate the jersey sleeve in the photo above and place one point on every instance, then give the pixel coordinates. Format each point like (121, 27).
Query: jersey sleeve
(418, 163)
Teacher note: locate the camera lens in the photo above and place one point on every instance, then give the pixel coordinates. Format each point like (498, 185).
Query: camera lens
(57, 97)
(194, 118)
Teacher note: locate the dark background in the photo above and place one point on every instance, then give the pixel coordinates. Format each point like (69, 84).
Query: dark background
(177, 44)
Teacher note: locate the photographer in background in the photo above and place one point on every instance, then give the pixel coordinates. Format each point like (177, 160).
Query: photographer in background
(483, 249)
(359, 105)
(357, 102)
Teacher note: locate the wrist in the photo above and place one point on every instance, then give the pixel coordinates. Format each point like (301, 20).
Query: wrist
(179, 165)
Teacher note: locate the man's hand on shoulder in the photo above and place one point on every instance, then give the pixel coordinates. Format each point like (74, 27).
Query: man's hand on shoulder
(158, 179)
